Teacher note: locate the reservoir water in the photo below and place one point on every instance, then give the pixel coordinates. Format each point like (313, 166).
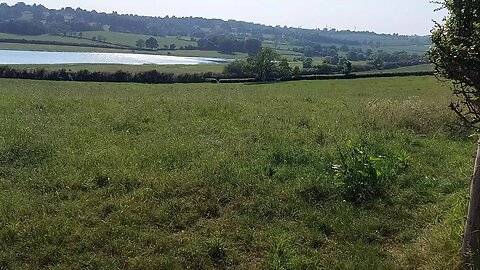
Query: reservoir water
(11, 57)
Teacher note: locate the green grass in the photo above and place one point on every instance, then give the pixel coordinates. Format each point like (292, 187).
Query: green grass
(426, 67)
(176, 69)
(125, 39)
(60, 48)
(57, 48)
(213, 176)
(131, 39)
(209, 54)
(47, 37)
(417, 68)
(114, 37)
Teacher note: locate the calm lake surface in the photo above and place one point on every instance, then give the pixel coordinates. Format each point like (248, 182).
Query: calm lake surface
(11, 57)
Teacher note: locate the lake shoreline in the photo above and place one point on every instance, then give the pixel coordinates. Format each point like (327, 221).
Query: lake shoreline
(21, 57)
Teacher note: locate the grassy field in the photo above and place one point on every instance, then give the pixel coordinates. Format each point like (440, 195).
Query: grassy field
(57, 48)
(116, 38)
(417, 68)
(176, 69)
(206, 176)
(60, 48)
(47, 37)
(426, 67)
(208, 54)
(131, 39)
(125, 39)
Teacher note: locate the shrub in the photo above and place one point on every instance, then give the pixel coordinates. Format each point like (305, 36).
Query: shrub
(190, 78)
(237, 68)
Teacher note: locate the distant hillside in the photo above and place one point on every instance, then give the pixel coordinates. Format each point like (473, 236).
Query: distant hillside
(22, 19)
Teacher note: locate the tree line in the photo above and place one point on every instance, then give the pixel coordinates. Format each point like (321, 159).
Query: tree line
(223, 44)
(374, 60)
(268, 64)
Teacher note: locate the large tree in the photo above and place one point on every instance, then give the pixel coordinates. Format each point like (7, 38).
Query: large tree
(151, 43)
(252, 46)
(140, 43)
(456, 56)
(264, 63)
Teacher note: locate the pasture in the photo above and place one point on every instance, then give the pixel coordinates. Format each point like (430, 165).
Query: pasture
(204, 176)
(129, 39)
(50, 38)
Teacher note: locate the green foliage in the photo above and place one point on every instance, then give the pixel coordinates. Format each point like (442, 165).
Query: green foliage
(284, 70)
(456, 55)
(237, 68)
(361, 175)
(347, 68)
(308, 62)
(263, 64)
(377, 62)
(140, 43)
(252, 46)
(151, 43)
(296, 72)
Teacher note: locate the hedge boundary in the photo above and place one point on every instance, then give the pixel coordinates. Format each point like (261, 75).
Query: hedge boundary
(155, 77)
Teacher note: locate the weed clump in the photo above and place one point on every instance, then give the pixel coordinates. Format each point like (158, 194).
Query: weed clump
(101, 181)
(364, 177)
(217, 253)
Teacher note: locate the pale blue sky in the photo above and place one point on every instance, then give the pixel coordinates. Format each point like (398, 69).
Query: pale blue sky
(383, 16)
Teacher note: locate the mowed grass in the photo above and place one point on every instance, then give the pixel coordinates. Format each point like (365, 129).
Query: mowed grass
(207, 176)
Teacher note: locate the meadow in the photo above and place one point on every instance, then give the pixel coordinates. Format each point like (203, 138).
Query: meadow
(125, 39)
(47, 37)
(340, 174)
(129, 39)
(417, 68)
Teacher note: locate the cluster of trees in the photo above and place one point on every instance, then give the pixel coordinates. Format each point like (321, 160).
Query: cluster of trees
(265, 65)
(22, 28)
(318, 50)
(322, 69)
(150, 43)
(15, 20)
(332, 56)
(263, 72)
(219, 43)
(268, 65)
(378, 60)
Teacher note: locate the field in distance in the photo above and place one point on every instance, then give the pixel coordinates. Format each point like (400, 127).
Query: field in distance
(206, 176)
